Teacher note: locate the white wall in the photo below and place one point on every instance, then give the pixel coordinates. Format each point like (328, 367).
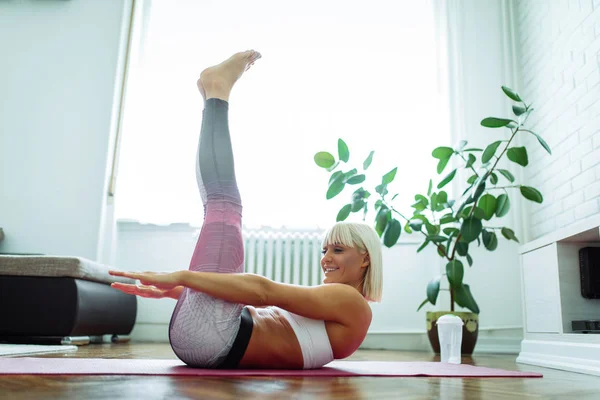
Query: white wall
(59, 84)
(559, 64)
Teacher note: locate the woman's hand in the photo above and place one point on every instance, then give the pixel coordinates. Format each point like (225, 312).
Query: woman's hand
(153, 285)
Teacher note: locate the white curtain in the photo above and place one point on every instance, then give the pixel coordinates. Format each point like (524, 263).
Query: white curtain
(369, 73)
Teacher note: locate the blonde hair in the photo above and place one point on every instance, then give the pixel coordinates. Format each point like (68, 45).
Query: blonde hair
(364, 238)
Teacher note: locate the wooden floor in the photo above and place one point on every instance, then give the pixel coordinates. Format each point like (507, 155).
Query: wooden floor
(555, 384)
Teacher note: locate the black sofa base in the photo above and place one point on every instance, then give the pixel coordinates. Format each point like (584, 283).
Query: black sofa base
(39, 310)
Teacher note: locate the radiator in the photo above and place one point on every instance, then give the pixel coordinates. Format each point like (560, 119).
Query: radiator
(287, 256)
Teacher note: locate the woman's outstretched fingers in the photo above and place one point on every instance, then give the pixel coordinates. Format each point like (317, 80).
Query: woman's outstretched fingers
(159, 279)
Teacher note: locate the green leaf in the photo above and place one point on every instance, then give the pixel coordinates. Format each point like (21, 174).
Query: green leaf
(422, 199)
(392, 233)
(358, 205)
(511, 93)
(356, 180)
(360, 194)
(324, 159)
(334, 166)
(368, 160)
(429, 188)
(470, 229)
(450, 231)
(432, 229)
(473, 149)
(478, 190)
(442, 164)
(472, 179)
(415, 225)
(442, 198)
(423, 303)
(470, 161)
(383, 216)
(490, 151)
(344, 213)
(518, 110)
(381, 189)
(442, 152)
(433, 289)
(455, 272)
(425, 243)
(336, 175)
(447, 179)
(441, 250)
(531, 194)
(335, 188)
(492, 122)
(502, 205)
(487, 203)
(470, 260)
(437, 238)
(493, 178)
(509, 234)
(464, 298)
(518, 155)
(389, 177)
(490, 240)
(419, 206)
(542, 142)
(462, 248)
(446, 219)
(477, 212)
(507, 175)
(343, 152)
(350, 173)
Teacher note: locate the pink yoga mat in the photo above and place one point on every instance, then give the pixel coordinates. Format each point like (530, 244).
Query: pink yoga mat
(100, 366)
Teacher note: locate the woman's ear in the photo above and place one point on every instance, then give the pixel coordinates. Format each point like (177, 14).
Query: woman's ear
(366, 261)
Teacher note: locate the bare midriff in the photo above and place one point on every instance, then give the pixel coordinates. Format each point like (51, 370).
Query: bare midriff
(273, 343)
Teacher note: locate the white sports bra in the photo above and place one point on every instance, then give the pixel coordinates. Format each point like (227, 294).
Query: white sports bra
(313, 339)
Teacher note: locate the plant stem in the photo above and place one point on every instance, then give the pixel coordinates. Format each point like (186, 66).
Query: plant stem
(506, 148)
(475, 172)
(427, 236)
(504, 187)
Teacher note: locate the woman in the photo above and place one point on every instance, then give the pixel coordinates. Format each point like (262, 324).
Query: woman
(225, 318)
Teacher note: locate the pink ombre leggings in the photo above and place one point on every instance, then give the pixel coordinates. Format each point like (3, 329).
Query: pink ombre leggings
(203, 329)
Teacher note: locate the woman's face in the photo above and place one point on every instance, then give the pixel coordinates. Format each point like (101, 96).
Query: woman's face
(343, 264)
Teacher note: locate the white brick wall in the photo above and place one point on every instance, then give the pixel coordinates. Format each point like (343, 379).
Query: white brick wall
(558, 50)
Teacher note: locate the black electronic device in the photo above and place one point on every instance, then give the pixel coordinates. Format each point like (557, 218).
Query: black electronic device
(589, 269)
(586, 326)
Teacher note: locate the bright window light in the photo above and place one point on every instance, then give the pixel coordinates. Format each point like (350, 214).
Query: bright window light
(366, 72)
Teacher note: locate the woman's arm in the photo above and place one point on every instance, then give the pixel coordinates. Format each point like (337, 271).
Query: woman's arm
(243, 288)
(332, 302)
(236, 288)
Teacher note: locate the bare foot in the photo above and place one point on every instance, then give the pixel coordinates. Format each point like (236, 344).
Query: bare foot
(218, 80)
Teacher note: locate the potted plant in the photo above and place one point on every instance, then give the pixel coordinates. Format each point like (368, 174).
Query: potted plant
(453, 226)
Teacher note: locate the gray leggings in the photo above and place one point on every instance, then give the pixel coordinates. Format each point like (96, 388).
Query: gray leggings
(203, 329)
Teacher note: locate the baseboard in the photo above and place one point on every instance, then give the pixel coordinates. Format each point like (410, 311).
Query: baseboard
(498, 340)
(150, 333)
(575, 357)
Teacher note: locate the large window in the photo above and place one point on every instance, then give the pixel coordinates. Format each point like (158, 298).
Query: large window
(363, 71)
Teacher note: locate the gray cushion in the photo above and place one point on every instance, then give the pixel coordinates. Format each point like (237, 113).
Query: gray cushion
(57, 266)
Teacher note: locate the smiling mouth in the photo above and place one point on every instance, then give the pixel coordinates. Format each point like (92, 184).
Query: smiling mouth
(328, 270)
